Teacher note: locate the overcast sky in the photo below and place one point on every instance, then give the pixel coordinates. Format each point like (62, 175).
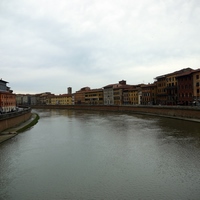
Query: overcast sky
(49, 45)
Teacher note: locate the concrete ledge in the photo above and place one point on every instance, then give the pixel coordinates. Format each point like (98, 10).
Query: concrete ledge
(11, 132)
(10, 120)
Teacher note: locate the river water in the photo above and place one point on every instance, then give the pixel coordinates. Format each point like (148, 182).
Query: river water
(102, 155)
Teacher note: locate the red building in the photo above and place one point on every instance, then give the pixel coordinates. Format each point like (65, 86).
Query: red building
(7, 98)
(185, 88)
(149, 92)
(196, 87)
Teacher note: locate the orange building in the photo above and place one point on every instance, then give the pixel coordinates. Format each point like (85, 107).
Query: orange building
(79, 96)
(7, 98)
(149, 93)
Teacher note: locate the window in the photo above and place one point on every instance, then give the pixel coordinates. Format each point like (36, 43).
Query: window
(197, 76)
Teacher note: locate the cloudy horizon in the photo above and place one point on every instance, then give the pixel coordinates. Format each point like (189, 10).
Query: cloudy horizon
(48, 45)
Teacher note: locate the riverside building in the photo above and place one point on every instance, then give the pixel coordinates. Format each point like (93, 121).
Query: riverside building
(7, 98)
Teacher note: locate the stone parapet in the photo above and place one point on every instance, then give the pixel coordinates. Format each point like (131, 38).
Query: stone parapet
(13, 119)
(186, 112)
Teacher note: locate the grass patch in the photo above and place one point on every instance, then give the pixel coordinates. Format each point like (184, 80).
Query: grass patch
(32, 123)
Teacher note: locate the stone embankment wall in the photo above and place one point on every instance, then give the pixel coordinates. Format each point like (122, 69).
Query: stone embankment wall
(168, 111)
(13, 119)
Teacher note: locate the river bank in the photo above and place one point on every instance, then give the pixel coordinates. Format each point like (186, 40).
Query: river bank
(188, 113)
(12, 132)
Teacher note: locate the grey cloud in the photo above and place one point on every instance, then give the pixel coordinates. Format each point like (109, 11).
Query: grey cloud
(99, 39)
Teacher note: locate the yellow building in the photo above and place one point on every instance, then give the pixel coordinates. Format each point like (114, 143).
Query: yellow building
(161, 90)
(63, 99)
(134, 94)
(129, 94)
(171, 88)
(94, 97)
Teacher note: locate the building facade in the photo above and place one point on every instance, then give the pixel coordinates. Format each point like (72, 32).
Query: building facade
(79, 96)
(196, 87)
(171, 89)
(177, 88)
(114, 93)
(7, 98)
(63, 99)
(94, 97)
(108, 95)
(149, 93)
(161, 90)
(185, 88)
(3, 85)
(167, 87)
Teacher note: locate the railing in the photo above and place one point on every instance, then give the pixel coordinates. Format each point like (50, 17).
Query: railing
(19, 112)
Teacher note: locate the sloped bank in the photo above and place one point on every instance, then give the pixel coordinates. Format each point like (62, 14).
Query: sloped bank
(29, 123)
(11, 132)
(178, 112)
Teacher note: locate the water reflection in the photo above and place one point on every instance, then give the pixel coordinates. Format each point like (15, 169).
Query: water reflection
(101, 155)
